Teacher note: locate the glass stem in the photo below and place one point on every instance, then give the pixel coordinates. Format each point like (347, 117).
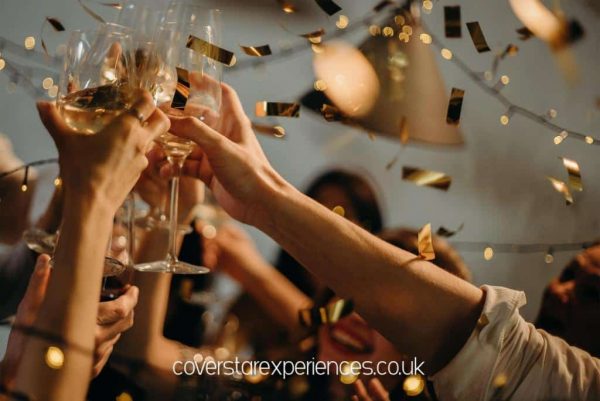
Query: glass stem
(177, 163)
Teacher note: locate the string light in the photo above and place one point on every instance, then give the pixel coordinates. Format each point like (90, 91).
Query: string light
(25, 178)
(342, 22)
(399, 20)
(488, 253)
(413, 385)
(53, 91)
(209, 231)
(488, 75)
(375, 30)
(589, 140)
(29, 42)
(561, 137)
(552, 113)
(403, 37)
(47, 83)
(55, 358)
(2, 64)
(339, 210)
(57, 182)
(427, 6)
(320, 85)
(425, 38)
(349, 372)
(504, 79)
(388, 31)
(549, 257)
(505, 118)
(446, 53)
(407, 29)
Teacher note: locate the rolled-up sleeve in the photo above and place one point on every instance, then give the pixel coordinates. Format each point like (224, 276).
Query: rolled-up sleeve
(508, 358)
(15, 269)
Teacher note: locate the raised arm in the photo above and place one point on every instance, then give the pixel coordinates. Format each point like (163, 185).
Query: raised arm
(97, 171)
(423, 310)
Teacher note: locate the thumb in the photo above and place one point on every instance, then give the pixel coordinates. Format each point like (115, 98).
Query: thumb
(195, 130)
(52, 120)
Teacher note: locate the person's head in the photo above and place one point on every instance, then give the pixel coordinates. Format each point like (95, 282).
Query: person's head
(352, 339)
(334, 188)
(571, 303)
(352, 192)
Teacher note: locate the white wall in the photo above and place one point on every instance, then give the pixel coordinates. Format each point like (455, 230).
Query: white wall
(499, 188)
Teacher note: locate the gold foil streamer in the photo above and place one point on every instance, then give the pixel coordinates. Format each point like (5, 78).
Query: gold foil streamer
(425, 243)
(116, 6)
(257, 51)
(56, 24)
(524, 33)
(574, 173)
(279, 109)
(314, 36)
(560, 187)
(477, 37)
(455, 106)
(211, 51)
(276, 131)
(444, 232)
(328, 6)
(91, 12)
(182, 91)
(452, 24)
(427, 178)
(510, 50)
(328, 314)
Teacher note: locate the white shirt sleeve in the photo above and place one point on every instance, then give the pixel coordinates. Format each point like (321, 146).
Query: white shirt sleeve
(506, 358)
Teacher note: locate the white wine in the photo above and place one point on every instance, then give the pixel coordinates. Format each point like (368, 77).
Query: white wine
(175, 146)
(90, 110)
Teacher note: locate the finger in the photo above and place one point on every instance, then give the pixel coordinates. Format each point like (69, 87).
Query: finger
(53, 121)
(142, 108)
(361, 391)
(195, 130)
(377, 391)
(98, 366)
(157, 124)
(105, 333)
(113, 311)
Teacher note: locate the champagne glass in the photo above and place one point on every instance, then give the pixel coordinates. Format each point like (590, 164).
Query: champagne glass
(203, 102)
(96, 87)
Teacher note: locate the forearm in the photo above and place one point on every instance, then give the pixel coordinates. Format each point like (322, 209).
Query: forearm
(422, 309)
(153, 299)
(275, 294)
(70, 307)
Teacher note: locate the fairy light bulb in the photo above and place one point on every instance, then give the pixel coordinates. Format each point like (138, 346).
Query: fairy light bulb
(589, 140)
(55, 358)
(29, 42)
(560, 137)
(446, 53)
(488, 253)
(549, 257)
(413, 385)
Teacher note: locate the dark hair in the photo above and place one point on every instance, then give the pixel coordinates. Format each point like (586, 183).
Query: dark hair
(364, 201)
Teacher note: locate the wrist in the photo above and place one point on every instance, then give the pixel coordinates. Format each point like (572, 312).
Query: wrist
(276, 198)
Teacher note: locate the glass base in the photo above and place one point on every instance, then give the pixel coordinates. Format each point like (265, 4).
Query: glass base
(175, 267)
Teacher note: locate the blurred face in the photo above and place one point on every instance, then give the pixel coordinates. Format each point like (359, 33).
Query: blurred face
(571, 304)
(331, 196)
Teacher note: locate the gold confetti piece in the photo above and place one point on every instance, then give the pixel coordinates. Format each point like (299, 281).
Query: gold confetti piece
(455, 106)
(561, 187)
(116, 6)
(328, 6)
(413, 385)
(477, 37)
(56, 24)
(427, 178)
(328, 314)
(452, 24)
(55, 358)
(511, 50)
(257, 51)
(524, 33)
(314, 36)
(182, 90)
(574, 173)
(276, 131)
(425, 243)
(211, 51)
(287, 7)
(381, 5)
(444, 232)
(91, 12)
(278, 109)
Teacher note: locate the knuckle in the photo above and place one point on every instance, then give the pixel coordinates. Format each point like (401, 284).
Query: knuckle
(120, 312)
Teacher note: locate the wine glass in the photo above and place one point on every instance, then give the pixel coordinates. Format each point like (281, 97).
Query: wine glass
(96, 86)
(204, 101)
